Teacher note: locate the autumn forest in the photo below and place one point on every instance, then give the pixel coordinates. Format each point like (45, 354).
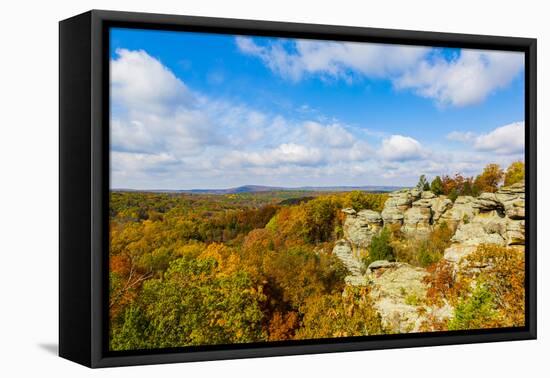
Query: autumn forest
(190, 269)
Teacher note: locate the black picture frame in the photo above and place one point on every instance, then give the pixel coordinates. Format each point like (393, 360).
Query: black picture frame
(84, 186)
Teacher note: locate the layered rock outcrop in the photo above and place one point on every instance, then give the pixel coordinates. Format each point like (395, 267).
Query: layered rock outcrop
(397, 288)
(498, 218)
(494, 218)
(360, 227)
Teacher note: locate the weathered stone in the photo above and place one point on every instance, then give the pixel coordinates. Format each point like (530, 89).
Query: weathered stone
(397, 203)
(417, 220)
(343, 250)
(439, 206)
(349, 211)
(474, 234)
(379, 264)
(427, 195)
(392, 215)
(515, 232)
(462, 211)
(402, 198)
(359, 228)
(487, 202)
(397, 290)
(456, 252)
(512, 196)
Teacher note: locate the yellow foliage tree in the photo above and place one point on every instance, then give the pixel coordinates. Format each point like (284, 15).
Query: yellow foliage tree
(514, 173)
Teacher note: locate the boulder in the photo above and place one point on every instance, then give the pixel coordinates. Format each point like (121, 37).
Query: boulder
(462, 211)
(397, 290)
(427, 195)
(343, 250)
(360, 227)
(487, 202)
(380, 264)
(439, 206)
(349, 211)
(515, 232)
(517, 211)
(397, 203)
(392, 215)
(456, 252)
(473, 234)
(417, 220)
(512, 199)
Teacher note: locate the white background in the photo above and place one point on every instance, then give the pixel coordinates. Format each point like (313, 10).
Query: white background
(29, 187)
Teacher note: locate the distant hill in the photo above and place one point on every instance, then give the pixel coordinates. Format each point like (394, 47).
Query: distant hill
(262, 188)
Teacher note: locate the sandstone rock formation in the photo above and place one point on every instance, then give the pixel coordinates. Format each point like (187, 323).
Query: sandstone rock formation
(398, 289)
(396, 205)
(360, 227)
(460, 212)
(499, 218)
(342, 250)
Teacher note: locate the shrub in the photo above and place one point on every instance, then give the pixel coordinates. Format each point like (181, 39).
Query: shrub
(504, 277)
(340, 315)
(488, 292)
(476, 311)
(380, 248)
(424, 251)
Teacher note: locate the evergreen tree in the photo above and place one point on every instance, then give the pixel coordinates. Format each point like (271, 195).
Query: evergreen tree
(437, 186)
(421, 183)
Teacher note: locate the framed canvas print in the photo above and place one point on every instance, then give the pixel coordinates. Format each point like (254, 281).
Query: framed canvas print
(234, 188)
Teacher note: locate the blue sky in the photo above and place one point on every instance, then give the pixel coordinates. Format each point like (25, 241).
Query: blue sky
(192, 110)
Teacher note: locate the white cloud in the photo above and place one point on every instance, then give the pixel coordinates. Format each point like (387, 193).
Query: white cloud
(332, 59)
(464, 80)
(401, 148)
(461, 136)
(171, 136)
(508, 139)
(153, 110)
(333, 135)
(285, 154)
(504, 140)
(140, 81)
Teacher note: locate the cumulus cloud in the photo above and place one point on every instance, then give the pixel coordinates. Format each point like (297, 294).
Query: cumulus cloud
(153, 110)
(401, 148)
(461, 136)
(504, 140)
(285, 154)
(293, 60)
(508, 139)
(333, 135)
(164, 134)
(139, 81)
(464, 80)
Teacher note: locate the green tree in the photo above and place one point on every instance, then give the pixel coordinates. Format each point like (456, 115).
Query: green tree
(475, 311)
(422, 181)
(437, 186)
(215, 309)
(514, 173)
(426, 186)
(380, 248)
(467, 188)
(453, 194)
